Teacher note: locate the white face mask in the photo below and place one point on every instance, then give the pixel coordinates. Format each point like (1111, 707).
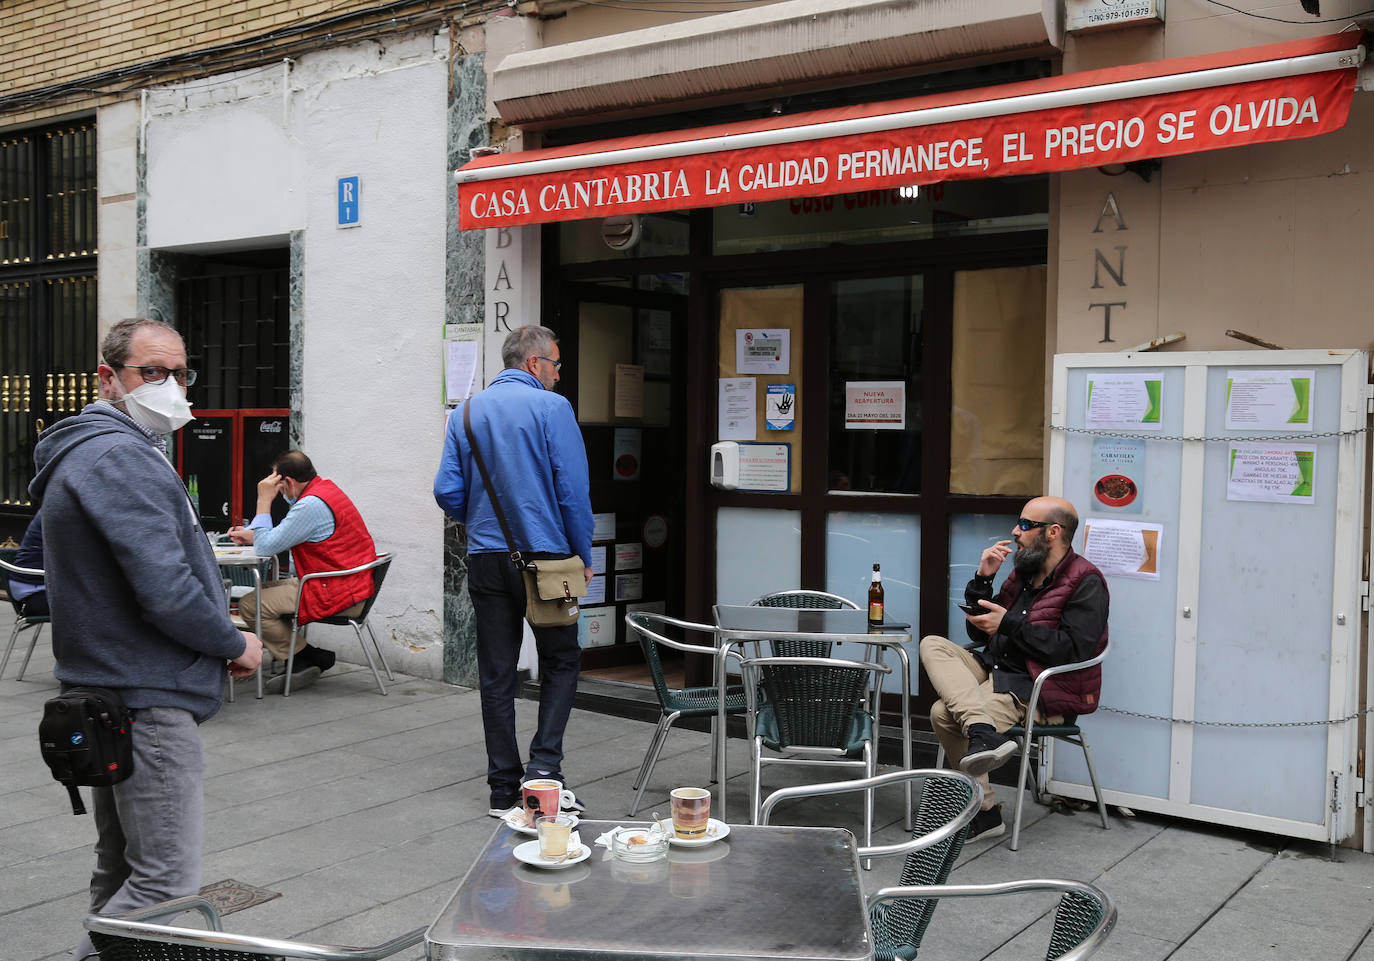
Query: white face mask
(162, 408)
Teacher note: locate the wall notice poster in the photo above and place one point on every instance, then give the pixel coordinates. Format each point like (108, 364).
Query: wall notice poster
(625, 453)
(765, 467)
(629, 390)
(875, 405)
(763, 351)
(1123, 548)
(1269, 399)
(1118, 467)
(596, 590)
(1131, 400)
(629, 587)
(780, 406)
(629, 557)
(597, 562)
(1273, 473)
(460, 368)
(596, 627)
(603, 527)
(737, 409)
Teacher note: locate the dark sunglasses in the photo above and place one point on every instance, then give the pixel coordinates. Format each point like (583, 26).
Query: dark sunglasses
(1026, 524)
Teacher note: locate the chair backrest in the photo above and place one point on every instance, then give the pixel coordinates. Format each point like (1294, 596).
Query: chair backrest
(122, 939)
(1081, 916)
(800, 600)
(942, 800)
(648, 643)
(378, 575)
(813, 700)
(647, 627)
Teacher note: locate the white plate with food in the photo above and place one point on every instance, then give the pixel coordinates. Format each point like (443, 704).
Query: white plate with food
(528, 853)
(715, 830)
(515, 820)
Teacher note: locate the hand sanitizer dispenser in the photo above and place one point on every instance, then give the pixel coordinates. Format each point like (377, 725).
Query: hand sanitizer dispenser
(725, 465)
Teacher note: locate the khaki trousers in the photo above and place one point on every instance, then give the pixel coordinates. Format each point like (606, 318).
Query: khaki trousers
(278, 604)
(966, 697)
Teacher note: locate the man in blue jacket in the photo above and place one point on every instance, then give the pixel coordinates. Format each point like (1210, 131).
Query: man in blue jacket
(532, 447)
(138, 606)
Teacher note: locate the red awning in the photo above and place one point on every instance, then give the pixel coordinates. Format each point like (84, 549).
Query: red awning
(1281, 91)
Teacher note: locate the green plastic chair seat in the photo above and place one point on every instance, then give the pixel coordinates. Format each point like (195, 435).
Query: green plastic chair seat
(703, 701)
(858, 731)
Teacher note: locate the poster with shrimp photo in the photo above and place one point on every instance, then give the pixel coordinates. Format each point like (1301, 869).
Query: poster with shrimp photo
(1118, 467)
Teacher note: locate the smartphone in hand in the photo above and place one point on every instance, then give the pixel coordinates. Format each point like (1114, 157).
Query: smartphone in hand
(973, 610)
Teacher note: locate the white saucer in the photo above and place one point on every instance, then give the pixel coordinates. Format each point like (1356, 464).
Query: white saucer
(715, 830)
(518, 824)
(528, 853)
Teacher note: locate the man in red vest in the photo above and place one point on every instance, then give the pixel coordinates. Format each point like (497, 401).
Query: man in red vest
(324, 532)
(1051, 610)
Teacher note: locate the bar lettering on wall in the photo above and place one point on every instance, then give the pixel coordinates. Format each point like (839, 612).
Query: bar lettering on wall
(1111, 212)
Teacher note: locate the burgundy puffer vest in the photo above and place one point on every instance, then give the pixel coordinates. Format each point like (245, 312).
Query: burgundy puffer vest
(1075, 693)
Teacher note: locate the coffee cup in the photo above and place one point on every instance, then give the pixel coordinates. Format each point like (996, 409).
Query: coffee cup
(691, 812)
(543, 795)
(554, 832)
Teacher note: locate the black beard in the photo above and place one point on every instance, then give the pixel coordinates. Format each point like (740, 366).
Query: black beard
(1031, 558)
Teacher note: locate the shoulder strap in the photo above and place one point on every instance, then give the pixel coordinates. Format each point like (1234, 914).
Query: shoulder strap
(515, 557)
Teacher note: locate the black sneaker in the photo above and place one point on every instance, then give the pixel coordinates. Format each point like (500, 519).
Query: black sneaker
(987, 750)
(501, 806)
(986, 824)
(316, 657)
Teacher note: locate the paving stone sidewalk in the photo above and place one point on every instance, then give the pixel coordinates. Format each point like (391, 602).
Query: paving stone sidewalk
(362, 813)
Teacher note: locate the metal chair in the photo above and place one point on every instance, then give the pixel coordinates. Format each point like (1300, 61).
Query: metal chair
(379, 568)
(676, 703)
(1034, 740)
(947, 803)
(22, 622)
(812, 711)
(134, 937)
(1083, 919)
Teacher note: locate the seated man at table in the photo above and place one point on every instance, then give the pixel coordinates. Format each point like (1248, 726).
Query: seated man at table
(324, 532)
(29, 592)
(1051, 610)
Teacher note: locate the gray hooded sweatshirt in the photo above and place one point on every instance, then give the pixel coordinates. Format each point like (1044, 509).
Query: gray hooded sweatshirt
(137, 600)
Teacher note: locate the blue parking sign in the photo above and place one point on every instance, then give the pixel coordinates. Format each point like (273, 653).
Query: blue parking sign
(350, 207)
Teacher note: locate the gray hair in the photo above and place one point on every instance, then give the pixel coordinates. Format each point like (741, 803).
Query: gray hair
(114, 349)
(525, 342)
(1066, 519)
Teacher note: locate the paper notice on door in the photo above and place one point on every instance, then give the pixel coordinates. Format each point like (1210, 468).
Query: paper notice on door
(1131, 400)
(596, 591)
(603, 527)
(1123, 548)
(763, 351)
(738, 409)
(1273, 473)
(1269, 399)
(629, 587)
(597, 562)
(596, 627)
(629, 557)
(629, 390)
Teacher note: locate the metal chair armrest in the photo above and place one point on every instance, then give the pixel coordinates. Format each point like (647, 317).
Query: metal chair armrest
(16, 569)
(638, 621)
(246, 943)
(1087, 947)
(935, 837)
(176, 906)
(1050, 672)
(381, 559)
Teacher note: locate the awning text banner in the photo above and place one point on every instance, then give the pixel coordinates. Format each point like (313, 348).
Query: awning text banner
(1013, 143)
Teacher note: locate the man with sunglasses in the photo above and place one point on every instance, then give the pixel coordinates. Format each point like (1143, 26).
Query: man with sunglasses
(1051, 610)
(138, 606)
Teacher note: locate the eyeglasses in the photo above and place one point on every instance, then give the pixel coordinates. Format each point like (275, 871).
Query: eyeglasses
(557, 364)
(153, 374)
(1026, 524)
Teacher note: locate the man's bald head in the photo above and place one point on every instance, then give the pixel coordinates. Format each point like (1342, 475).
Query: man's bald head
(1055, 510)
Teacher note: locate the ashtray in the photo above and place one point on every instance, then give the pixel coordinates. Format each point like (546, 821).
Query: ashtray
(639, 844)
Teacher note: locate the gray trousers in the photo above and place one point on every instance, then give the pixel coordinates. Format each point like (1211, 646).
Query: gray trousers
(151, 826)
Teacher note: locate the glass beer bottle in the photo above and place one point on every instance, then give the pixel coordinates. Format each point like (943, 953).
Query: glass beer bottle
(875, 600)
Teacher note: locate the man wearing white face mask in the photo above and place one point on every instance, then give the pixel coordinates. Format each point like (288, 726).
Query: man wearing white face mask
(138, 606)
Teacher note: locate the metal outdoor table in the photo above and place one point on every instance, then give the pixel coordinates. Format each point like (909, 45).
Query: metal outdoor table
(738, 625)
(760, 894)
(244, 556)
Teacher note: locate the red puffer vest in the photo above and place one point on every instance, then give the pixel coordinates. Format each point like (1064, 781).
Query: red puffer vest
(1075, 693)
(349, 546)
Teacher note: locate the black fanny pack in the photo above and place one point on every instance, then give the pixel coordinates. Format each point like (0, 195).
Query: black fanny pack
(86, 737)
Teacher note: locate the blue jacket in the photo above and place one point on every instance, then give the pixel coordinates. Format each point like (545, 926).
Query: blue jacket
(533, 450)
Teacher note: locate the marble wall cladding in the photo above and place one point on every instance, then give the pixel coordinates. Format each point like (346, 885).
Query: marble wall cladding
(463, 273)
(296, 360)
(157, 284)
(460, 634)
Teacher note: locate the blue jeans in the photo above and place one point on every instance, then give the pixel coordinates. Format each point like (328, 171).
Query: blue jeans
(151, 826)
(498, 603)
